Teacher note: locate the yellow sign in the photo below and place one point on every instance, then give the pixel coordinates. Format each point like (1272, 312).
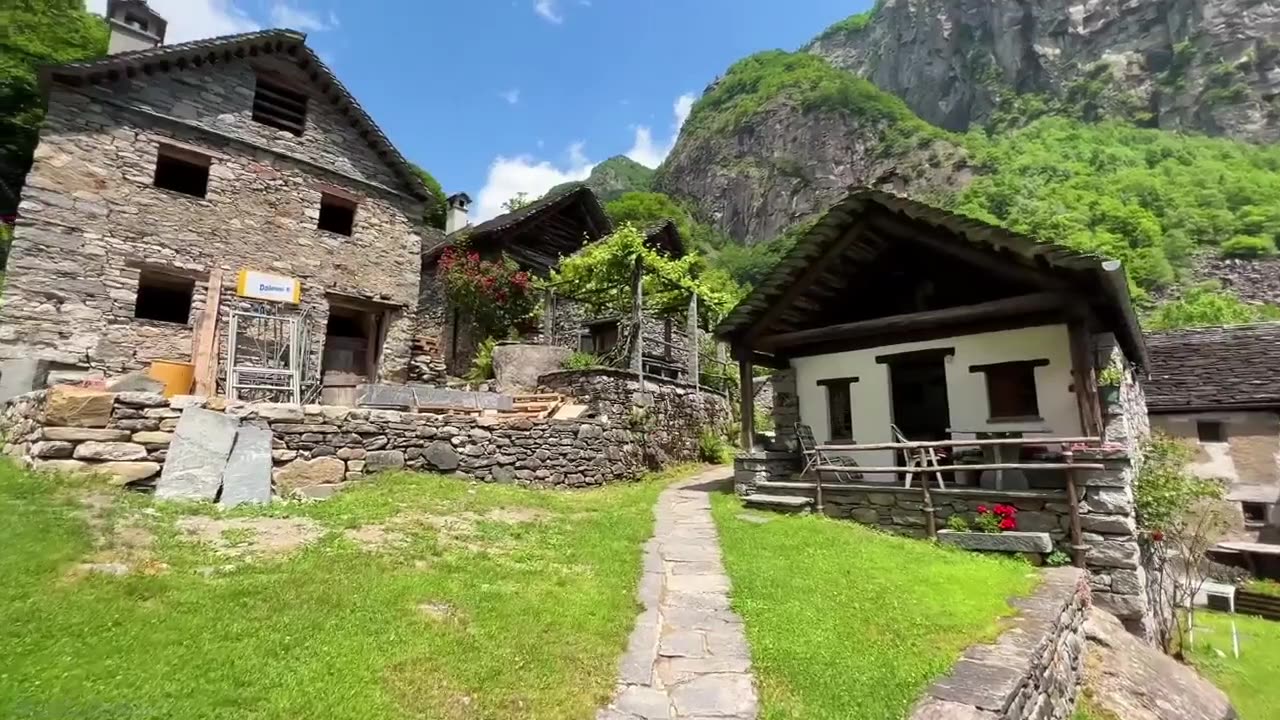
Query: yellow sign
(264, 286)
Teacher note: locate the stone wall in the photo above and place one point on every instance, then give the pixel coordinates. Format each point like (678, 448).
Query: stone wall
(1033, 671)
(315, 446)
(1113, 561)
(671, 414)
(93, 222)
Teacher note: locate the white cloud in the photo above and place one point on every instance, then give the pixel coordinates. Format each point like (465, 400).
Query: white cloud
(285, 15)
(195, 19)
(547, 9)
(510, 176)
(651, 154)
(512, 96)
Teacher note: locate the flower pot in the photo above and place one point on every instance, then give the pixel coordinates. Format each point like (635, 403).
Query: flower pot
(1109, 396)
(1013, 541)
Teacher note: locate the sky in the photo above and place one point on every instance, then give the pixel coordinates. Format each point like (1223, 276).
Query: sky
(498, 97)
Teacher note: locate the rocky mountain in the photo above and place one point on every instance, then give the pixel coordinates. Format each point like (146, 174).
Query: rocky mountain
(781, 135)
(616, 176)
(1210, 66)
(1139, 129)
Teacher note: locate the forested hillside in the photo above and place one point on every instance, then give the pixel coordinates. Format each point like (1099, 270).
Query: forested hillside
(781, 136)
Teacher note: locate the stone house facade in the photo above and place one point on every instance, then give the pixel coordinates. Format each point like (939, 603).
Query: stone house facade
(1217, 389)
(160, 169)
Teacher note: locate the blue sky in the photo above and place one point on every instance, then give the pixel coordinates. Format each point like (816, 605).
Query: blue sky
(496, 97)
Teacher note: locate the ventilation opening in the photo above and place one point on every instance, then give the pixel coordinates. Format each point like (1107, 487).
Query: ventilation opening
(182, 171)
(1255, 514)
(337, 215)
(279, 106)
(1210, 431)
(164, 298)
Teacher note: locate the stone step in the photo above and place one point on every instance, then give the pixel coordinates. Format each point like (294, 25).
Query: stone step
(789, 503)
(786, 485)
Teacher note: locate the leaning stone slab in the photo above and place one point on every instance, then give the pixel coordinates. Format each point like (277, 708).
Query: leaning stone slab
(79, 407)
(1011, 542)
(22, 375)
(247, 478)
(197, 456)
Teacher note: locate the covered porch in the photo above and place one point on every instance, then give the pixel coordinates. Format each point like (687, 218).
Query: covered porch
(932, 364)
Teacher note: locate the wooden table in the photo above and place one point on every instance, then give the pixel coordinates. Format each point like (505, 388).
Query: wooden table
(1000, 454)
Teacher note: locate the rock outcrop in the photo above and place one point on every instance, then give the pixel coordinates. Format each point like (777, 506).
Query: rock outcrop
(1127, 678)
(1175, 64)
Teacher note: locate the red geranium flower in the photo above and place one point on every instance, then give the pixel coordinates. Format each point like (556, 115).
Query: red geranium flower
(1007, 524)
(982, 508)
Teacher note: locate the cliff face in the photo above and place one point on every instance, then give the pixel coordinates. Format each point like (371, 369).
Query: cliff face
(1206, 65)
(784, 165)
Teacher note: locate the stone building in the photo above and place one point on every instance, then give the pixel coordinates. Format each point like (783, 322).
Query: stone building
(235, 170)
(1217, 388)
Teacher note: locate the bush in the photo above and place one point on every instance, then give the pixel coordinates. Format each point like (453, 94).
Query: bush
(580, 361)
(482, 365)
(1249, 246)
(713, 448)
(957, 523)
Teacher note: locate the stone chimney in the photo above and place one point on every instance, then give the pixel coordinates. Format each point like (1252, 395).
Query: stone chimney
(457, 217)
(134, 26)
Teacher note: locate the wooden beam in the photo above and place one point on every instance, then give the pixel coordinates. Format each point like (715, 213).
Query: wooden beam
(960, 249)
(203, 356)
(815, 270)
(1008, 307)
(1084, 378)
(747, 405)
(777, 362)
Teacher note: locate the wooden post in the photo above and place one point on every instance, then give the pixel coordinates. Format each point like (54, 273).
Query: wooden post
(637, 321)
(204, 358)
(694, 345)
(549, 317)
(746, 406)
(930, 522)
(1083, 376)
(1073, 500)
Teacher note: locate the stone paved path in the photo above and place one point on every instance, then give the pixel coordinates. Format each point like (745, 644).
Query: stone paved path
(687, 658)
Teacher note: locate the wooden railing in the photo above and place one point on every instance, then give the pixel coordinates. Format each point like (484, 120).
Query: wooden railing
(920, 465)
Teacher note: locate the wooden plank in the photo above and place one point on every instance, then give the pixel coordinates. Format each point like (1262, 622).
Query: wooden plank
(747, 405)
(1008, 307)
(203, 357)
(797, 288)
(923, 444)
(1084, 375)
(952, 468)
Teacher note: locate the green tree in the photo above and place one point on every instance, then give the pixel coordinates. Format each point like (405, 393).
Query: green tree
(1206, 305)
(35, 33)
(436, 210)
(517, 201)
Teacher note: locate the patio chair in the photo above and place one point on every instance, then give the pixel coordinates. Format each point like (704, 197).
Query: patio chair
(815, 457)
(921, 460)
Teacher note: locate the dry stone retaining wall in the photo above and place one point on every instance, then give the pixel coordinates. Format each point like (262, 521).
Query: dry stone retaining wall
(318, 447)
(670, 414)
(1032, 671)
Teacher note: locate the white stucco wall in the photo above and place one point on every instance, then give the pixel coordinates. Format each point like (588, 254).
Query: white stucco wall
(966, 391)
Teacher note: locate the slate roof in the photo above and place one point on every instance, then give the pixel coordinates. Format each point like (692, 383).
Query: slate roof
(552, 202)
(262, 43)
(1214, 367)
(975, 232)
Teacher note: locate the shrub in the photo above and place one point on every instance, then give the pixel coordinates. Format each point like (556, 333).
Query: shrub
(1264, 587)
(580, 361)
(713, 448)
(482, 364)
(996, 519)
(957, 523)
(1249, 246)
(496, 294)
(1057, 558)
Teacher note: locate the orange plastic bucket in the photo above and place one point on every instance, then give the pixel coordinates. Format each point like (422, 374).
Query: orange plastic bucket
(176, 376)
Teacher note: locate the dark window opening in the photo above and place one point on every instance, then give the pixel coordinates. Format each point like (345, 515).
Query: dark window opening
(1011, 389)
(346, 323)
(839, 408)
(604, 337)
(1255, 513)
(184, 172)
(164, 298)
(279, 106)
(1211, 431)
(337, 215)
(138, 22)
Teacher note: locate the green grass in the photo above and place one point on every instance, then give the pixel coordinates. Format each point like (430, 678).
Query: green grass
(1250, 682)
(848, 623)
(500, 618)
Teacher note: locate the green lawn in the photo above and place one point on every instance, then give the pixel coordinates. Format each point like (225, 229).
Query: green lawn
(1250, 682)
(848, 623)
(415, 597)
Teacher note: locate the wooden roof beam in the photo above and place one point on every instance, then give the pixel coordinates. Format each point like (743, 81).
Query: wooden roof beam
(1008, 307)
